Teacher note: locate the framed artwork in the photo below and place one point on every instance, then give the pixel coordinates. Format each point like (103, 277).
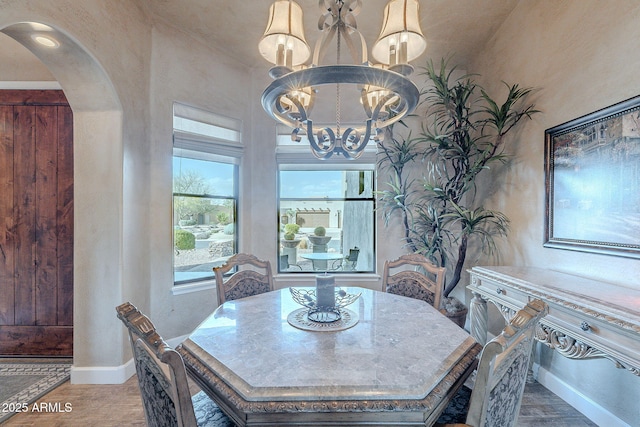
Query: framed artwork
(592, 182)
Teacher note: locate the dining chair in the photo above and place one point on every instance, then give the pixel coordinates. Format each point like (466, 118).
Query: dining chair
(162, 378)
(285, 265)
(243, 283)
(414, 283)
(349, 262)
(501, 375)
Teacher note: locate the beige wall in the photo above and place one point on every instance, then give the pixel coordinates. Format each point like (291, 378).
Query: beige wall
(581, 56)
(190, 72)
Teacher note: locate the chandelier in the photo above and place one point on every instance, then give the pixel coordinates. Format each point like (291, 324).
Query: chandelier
(384, 92)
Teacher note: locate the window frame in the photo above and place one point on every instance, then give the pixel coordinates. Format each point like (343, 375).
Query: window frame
(351, 166)
(224, 147)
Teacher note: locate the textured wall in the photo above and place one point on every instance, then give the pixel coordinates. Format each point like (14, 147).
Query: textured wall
(192, 73)
(581, 56)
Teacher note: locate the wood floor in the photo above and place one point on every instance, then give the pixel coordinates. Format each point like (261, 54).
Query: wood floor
(120, 405)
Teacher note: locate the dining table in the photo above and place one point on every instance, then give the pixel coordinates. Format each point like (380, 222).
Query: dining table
(387, 360)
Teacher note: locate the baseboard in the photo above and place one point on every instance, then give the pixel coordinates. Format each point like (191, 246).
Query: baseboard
(103, 375)
(579, 401)
(111, 375)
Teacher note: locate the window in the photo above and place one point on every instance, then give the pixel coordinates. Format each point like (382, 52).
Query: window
(338, 203)
(206, 154)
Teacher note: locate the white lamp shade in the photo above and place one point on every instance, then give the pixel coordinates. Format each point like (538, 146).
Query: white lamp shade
(401, 23)
(285, 29)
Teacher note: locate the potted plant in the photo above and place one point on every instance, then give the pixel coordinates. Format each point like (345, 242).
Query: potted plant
(289, 242)
(319, 237)
(433, 176)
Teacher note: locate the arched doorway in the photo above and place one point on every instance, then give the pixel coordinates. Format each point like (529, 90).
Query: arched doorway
(97, 166)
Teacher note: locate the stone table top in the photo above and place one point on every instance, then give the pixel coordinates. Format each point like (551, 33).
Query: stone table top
(401, 350)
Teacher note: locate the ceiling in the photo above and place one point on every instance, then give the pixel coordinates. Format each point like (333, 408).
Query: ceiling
(458, 27)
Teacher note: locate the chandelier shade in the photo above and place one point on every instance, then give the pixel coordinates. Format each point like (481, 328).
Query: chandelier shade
(283, 42)
(385, 93)
(401, 39)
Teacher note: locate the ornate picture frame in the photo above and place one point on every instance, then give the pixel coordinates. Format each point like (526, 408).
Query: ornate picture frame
(592, 182)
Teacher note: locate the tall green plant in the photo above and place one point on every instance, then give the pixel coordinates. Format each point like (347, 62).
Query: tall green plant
(462, 135)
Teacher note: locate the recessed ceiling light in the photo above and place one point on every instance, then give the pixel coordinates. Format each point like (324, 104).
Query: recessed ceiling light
(45, 40)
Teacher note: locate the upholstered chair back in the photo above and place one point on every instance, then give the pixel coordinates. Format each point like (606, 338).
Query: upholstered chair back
(161, 372)
(244, 282)
(502, 370)
(414, 276)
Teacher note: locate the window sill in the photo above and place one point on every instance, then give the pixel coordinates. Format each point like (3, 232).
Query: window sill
(365, 280)
(188, 288)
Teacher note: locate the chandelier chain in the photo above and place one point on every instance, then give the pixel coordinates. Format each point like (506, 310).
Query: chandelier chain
(338, 116)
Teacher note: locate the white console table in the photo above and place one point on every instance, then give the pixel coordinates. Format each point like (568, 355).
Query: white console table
(587, 318)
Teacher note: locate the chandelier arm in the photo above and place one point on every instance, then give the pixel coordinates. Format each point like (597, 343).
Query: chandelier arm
(295, 135)
(379, 136)
(391, 120)
(364, 99)
(356, 152)
(301, 110)
(345, 15)
(349, 140)
(323, 147)
(354, 8)
(329, 7)
(315, 138)
(348, 38)
(400, 107)
(281, 108)
(375, 113)
(322, 44)
(319, 152)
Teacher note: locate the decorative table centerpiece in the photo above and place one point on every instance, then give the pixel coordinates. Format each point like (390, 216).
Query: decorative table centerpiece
(325, 303)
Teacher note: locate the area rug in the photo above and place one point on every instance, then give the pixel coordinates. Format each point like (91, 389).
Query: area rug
(456, 411)
(22, 383)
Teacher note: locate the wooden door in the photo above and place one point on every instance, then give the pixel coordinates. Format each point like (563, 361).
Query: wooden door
(36, 223)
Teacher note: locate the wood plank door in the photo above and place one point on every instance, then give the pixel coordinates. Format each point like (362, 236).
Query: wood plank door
(36, 224)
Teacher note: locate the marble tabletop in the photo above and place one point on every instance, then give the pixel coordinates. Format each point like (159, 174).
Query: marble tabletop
(402, 355)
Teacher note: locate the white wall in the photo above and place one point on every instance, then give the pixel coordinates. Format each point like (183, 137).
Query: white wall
(192, 73)
(581, 56)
